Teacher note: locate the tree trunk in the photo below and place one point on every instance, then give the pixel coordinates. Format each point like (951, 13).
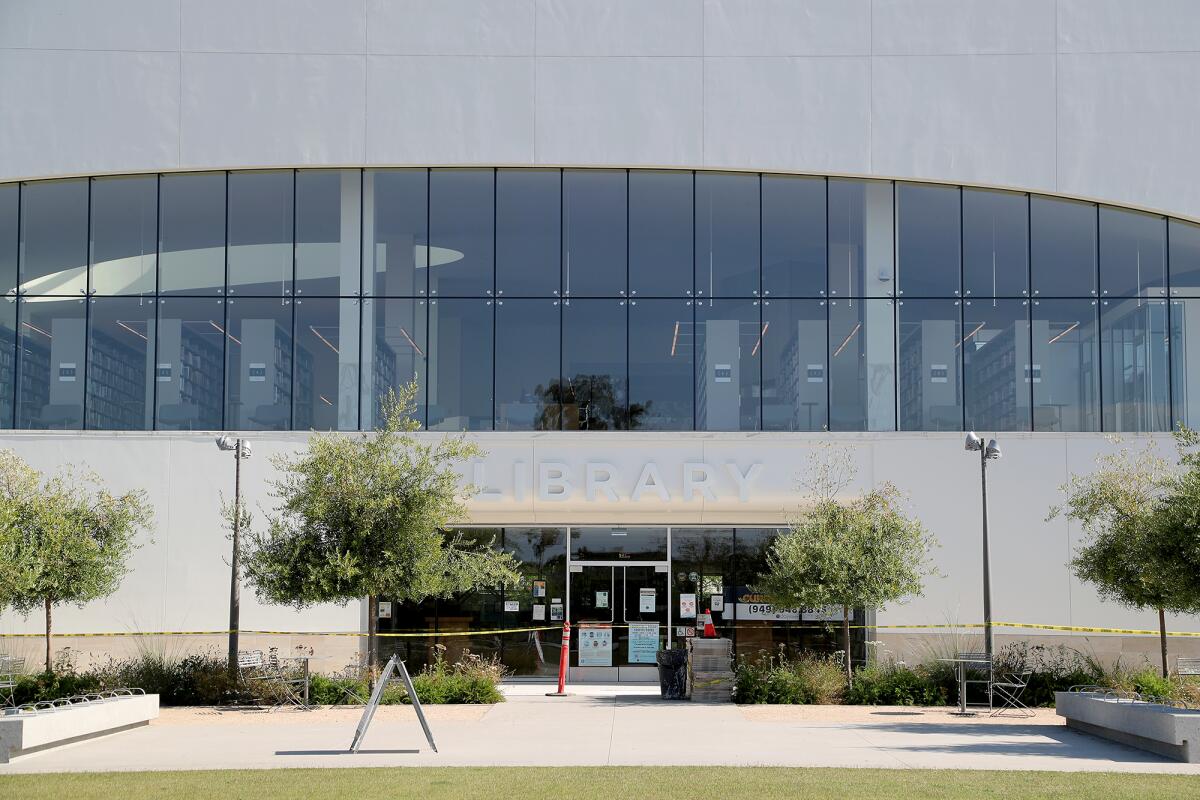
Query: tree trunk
(49, 659)
(846, 646)
(372, 639)
(1162, 637)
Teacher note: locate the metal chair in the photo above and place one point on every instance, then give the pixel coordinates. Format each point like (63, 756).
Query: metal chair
(11, 668)
(1008, 690)
(289, 689)
(1185, 665)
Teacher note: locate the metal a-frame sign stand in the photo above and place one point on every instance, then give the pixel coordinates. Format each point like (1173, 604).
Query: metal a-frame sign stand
(394, 665)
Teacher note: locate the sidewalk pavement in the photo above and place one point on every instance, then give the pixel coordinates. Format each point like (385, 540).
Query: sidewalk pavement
(597, 726)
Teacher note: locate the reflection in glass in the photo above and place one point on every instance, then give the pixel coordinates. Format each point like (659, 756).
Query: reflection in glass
(996, 374)
(611, 543)
(1062, 242)
(528, 212)
(702, 560)
(527, 365)
(861, 245)
(1132, 253)
(541, 555)
(594, 232)
(660, 233)
(326, 371)
(929, 383)
(727, 234)
(189, 373)
(54, 237)
(995, 243)
(460, 366)
(393, 354)
(1066, 365)
(258, 364)
(260, 233)
(192, 222)
(50, 363)
(327, 230)
(928, 239)
(728, 346)
(862, 376)
(395, 223)
(9, 236)
(1185, 362)
(794, 373)
(661, 347)
(124, 235)
(8, 359)
(1133, 353)
(120, 389)
(793, 236)
(461, 225)
(1185, 258)
(594, 370)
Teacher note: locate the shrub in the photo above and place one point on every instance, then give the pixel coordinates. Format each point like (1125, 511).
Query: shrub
(808, 679)
(896, 684)
(473, 680)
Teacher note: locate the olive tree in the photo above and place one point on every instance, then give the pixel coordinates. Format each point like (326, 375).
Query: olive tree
(65, 539)
(861, 552)
(367, 515)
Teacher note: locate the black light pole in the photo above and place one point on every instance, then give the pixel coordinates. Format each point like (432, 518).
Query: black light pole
(241, 449)
(986, 453)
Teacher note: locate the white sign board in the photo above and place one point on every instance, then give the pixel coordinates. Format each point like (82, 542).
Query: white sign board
(539, 612)
(643, 642)
(765, 611)
(595, 646)
(512, 605)
(647, 600)
(687, 606)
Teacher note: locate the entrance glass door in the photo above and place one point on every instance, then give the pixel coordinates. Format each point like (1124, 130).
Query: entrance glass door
(619, 615)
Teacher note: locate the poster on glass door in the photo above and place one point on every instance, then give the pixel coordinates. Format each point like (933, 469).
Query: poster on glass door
(643, 642)
(595, 646)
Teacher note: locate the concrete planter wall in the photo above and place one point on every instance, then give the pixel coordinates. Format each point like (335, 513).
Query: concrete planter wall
(21, 734)
(1168, 731)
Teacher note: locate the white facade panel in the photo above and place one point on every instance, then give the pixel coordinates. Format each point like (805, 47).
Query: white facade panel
(274, 26)
(88, 25)
(449, 110)
(82, 111)
(966, 27)
(786, 27)
(626, 111)
(1128, 26)
(986, 119)
(450, 27)
(619, 28)
(271, 109)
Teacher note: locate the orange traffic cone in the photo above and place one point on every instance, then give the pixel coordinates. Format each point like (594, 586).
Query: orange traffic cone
(709, 631)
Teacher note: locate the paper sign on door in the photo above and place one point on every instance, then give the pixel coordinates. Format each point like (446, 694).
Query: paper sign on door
(647, 600)
(687, 606)
(539, 612)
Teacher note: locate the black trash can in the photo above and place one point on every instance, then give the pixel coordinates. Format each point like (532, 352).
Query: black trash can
(672, 673)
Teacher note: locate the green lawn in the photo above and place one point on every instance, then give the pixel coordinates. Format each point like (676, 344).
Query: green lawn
(570, 783)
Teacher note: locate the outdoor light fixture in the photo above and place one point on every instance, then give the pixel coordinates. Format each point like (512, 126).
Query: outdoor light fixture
(241, 449)
(990, 452)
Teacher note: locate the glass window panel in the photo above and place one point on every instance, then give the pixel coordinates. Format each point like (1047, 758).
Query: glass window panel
(54, 237)
(1185, 362)
(1185, 258)
(325, 377)
(328, 223)
(8, 359)
(541, 555)
(1133, 351)
(190, 369)
(528, 213)
(610, 543)
(1132, 254)
(862, 374)
(996, 374)
(260, 233)
(1066, 365)
(120, 368)
(794, 351)
(702, 561)
(460, 369)
(594, 368)
(124, 235)
(9, 235)
(728, 347)
(461, 223)
(527, 362)
(793, 236)
(929, 379)
(395, 350)
(395, 229)
(192, 211)
(928, 241)
(995, 243)
(1062, 241)
(661, 351)
(660, 233)
(258, 364)
(861, 242)
(595, 218)
(727, 231)
(50, 363)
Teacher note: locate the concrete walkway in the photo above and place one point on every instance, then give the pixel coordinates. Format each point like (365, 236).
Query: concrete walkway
(600, 725)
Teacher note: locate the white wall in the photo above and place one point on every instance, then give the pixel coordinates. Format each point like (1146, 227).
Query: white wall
(1085, 97)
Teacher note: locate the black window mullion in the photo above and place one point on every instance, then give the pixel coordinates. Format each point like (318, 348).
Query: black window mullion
(225, 332)
(87, 311)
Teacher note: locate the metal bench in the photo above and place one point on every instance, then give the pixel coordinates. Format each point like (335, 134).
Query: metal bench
(11, 669)
(1185, 665)
(267, 678)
